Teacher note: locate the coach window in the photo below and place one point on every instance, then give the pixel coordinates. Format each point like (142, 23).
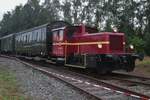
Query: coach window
(17, 39)
(36, 36)
(26, 39)
(20, 38)
(30, 39)
(44, 34)
(39, 35)
(32, 36)
(23, 39)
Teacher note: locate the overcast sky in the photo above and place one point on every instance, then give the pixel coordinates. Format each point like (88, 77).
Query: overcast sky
(8, 5)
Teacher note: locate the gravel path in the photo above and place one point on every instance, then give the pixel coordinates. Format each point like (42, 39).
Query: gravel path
(39, 86)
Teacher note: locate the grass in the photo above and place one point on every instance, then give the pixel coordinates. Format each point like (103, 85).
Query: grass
(8, 86)
(144, 66)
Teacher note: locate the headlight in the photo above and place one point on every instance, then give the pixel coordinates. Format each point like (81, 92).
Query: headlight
(100, 46)
(115, 30)
(131, 46)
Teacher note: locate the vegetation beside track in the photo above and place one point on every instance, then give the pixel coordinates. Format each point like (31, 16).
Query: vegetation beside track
(8, 86)
(143, 67)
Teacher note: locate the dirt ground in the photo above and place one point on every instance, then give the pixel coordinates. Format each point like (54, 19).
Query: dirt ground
(143, 67)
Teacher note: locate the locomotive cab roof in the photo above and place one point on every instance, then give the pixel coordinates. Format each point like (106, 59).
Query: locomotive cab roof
(80, 29)
(86, 30)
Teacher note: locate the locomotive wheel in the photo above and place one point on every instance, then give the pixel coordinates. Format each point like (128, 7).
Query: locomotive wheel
(104, 72)
(59, 63)
(131, 65)
(104, 68)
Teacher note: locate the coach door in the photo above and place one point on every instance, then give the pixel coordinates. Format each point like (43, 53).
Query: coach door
(58, 47)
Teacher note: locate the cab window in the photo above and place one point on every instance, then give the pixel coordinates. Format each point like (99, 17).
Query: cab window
(55, 36)
(58, 35)
(61, 35)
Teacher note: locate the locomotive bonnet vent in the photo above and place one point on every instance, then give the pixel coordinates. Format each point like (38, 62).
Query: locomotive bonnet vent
(116, 42)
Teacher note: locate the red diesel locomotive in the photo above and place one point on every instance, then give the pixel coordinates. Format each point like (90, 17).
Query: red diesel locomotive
(75, 46)
(84, 47)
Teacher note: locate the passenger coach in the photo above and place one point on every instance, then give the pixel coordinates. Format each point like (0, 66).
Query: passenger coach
(7, 45)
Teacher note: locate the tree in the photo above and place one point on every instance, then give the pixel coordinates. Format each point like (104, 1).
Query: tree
(6, 24)
(66, 9)
(52, 7)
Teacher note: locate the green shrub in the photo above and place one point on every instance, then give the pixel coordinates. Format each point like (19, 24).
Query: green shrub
(138, 43)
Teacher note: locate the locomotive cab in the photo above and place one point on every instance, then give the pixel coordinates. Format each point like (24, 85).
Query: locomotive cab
(58, 50)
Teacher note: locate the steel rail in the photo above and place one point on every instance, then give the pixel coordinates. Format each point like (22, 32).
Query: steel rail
(130, 75)
(131, 81)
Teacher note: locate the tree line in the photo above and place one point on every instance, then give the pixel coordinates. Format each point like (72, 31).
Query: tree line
(131, 17)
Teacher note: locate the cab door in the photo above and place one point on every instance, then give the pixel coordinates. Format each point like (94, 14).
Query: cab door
(58, 40)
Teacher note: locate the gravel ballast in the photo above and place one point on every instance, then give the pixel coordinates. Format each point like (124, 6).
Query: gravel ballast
(39, 86)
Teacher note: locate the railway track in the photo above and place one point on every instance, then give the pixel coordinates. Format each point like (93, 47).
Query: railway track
(133, 82)
(95, 87)
(133, 78)
(132, 85)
